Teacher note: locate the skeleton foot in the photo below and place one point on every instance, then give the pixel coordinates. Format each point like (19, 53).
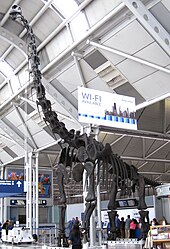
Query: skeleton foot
(85, 237)
(111, 237)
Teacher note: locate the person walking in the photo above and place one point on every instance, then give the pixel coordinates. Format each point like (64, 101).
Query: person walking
(133, 226)
(127, 227)
(77, 220)
(71, 224)
(117, 224)
(75, 237)
(122, 228)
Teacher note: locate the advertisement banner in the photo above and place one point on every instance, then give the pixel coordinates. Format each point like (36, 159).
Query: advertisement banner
(108, 109)
(44, 181)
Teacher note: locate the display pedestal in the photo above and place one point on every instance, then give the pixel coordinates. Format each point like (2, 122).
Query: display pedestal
(85, 246)
(98, 247)
(127, 242)
(53, 247)
(17, 235)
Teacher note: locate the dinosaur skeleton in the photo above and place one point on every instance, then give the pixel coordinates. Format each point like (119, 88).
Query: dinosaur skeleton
(83, 152)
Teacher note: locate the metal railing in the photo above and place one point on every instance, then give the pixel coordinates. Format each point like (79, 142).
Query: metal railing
(47, 235)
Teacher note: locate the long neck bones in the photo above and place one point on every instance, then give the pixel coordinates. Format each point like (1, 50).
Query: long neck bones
(50, 116)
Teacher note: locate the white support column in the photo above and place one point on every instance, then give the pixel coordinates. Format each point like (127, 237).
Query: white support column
(31, 172)
(32, 210)
(5, 199)
(92, 218)
(84, 180)
(99, 212)
(29, 199)
(96, 130)
(33, 199)
(84, 187)
(2, 199)
(29, 193)
(75, 56)
(89, 130)
(92, 230)
(37, 194)
(26, 166)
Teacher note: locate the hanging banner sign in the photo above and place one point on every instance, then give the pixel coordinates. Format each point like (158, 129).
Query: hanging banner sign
(103, 108)
(11, 186)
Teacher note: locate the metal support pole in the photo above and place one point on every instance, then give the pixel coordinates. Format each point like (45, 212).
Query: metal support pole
(99, 212)
(92, 230)
(31, 167)
(33, 199)
(2, 199)
(96, 130)
(30, 192)
(84, 180)
(5, 199)
(92, 218)
(37, 193)
(79, 69)
(28, 167)
(128, 56)
(84, 188)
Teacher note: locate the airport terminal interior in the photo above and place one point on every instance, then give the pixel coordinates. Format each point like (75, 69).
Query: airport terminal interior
(84, 122)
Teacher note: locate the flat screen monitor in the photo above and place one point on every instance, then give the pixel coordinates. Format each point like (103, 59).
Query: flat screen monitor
(123, 203)
(127, 203)
(131, 203)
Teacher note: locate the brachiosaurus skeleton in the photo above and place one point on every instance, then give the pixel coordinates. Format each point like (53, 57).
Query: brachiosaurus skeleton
(82, 153)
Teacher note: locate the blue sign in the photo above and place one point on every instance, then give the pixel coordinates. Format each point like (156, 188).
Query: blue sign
(12, 186)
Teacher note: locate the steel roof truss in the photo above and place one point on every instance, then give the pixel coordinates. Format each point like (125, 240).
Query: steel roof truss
(12, 132)
(61, 99)
(25, 125)
(150, 23)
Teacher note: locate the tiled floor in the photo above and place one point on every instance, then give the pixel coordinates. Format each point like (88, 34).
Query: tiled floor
(2, 246)
(8, 246)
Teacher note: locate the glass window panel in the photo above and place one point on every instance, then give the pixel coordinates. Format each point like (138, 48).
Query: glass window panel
(66, 7)
(5, 68)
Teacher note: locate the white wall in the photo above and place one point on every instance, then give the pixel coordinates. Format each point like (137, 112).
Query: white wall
(166, 208)
(74, 210)
(134, 213)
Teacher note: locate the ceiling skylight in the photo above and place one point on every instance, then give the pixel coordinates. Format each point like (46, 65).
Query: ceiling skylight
(6, 69)
(8, 72)
(67, 8)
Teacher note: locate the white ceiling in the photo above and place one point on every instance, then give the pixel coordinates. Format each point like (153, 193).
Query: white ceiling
(119, 37)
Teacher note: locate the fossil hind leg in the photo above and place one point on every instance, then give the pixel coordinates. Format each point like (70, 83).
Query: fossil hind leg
(90, 206)
(144, 216)
(142, 204)
(112, 215)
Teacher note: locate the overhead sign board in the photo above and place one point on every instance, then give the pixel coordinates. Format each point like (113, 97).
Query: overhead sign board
(163, 190)
(21, 202)
(108, 109)
(12, 186)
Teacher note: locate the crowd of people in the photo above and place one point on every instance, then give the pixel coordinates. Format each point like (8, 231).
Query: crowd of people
(125, 228)
(129, 228)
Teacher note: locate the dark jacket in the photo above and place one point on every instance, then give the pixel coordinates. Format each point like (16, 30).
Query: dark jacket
(75, 237)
